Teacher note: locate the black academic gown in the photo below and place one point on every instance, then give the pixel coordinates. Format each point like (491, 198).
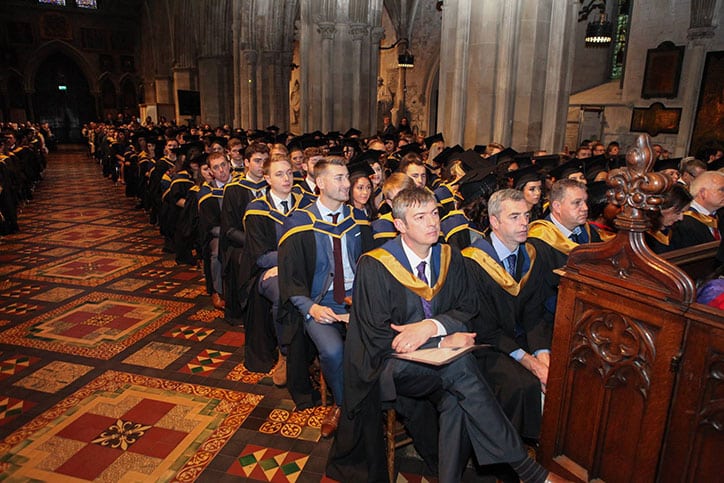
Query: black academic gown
(297, 263)
(552, 250)
(264, 226)
(237, 195)
(155, 192)
(694, 229)
(659, 241)
(373, 376)
(510, 317)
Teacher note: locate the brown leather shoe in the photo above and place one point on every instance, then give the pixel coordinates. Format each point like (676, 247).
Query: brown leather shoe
(217, 301)
(331, 421)
(279, 372)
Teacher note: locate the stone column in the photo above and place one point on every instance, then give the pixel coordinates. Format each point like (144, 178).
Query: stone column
(215, 90)
(357, 32)
(699, 35)
(504, 72)
(339, 53)
(326, 31)
(248, 81)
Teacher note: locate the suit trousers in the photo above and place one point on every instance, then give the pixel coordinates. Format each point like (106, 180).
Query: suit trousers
(469, 415)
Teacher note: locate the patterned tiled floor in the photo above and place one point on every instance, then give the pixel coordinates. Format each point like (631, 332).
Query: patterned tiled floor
(114, 366)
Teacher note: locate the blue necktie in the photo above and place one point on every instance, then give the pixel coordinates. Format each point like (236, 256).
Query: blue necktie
(285, 207)
(426, 306)
(575, 234)
(510, 264)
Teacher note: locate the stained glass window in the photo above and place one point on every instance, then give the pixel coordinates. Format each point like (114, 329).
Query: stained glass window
(86, 3)
(620, 38)
(60, 3)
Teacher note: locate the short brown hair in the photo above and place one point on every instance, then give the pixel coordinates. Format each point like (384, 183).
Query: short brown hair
(256, 147)
(213, 156)
(408, 198)
(266, 165)
(312, 152)
(322, 164)
(407, 160)
(397, 182)
(559, 188)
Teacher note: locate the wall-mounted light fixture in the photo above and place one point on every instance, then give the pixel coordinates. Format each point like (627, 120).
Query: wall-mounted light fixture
(598, 33)
(405, 60)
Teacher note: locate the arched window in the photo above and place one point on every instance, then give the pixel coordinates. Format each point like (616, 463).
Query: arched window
(620, 37)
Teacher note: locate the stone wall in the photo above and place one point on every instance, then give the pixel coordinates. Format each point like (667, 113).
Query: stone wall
(654, 22)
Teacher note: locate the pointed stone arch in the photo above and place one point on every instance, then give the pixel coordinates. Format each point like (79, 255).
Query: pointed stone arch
(47, 49)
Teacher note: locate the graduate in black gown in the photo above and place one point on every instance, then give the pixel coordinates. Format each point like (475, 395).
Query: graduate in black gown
(264, 222)
(676, 202)
(317, 262)
(506, 277)
(413, 293)
(563, 229)
(237, 195)
(701, 221)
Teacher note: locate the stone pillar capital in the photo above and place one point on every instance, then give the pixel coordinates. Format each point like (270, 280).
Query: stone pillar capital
(327, 30)
(358, 31)
(377, 34)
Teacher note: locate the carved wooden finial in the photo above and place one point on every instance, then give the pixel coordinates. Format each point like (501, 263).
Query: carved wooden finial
(626, 261)
(635, 188)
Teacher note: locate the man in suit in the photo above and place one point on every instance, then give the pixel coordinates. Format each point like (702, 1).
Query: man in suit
(429, 305)
(317, 263)
(211, 197)
(506, 277)
(700, 223)
(264, 225)
(312, 155)
(564, 228)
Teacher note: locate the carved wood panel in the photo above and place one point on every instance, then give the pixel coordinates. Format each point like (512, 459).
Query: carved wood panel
(695, 443)
(614, 378)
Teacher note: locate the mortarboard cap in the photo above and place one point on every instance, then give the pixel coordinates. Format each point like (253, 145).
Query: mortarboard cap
(429, 141)
(597, 192)
(352, 132)
(715, 165)
(568, 168)
(594, 165)
(504, 155)
(370, 156)
(186, 147)
(409, 148)
(477, 183)
(480, 148)
(446, 153)
(335, 151)
(221, 141)
(671, 163)
(525, 175)
(469, 159)
(273, 128)
(523, 159)
(360, 167)
(547, 163)
(295, 144)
